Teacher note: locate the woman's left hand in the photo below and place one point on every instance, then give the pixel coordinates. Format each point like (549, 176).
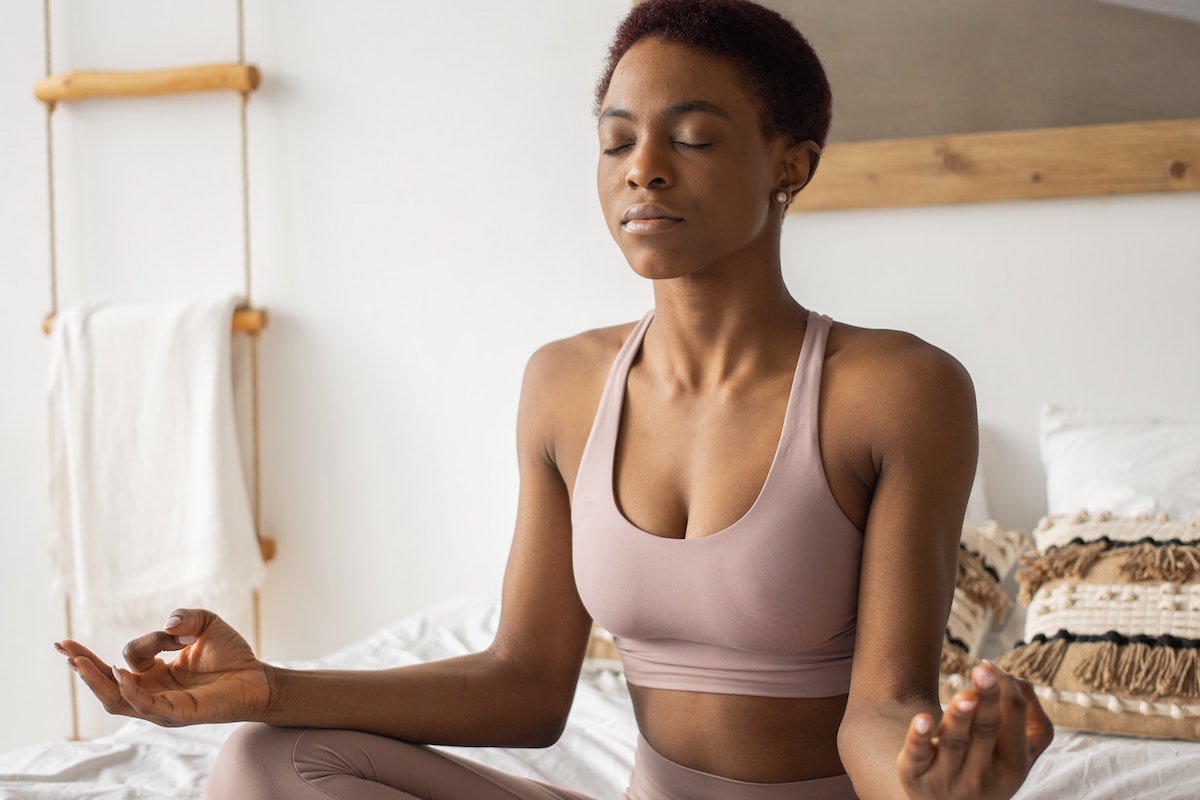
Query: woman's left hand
(985, 745)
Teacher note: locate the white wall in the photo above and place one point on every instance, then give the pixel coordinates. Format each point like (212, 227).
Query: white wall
(1080, 302)
(424, 217)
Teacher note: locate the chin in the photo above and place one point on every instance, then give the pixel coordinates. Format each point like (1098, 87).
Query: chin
(656, 270)
(657, 265)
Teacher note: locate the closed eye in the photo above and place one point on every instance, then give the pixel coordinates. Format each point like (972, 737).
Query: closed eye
(620, 148)
(612, 151)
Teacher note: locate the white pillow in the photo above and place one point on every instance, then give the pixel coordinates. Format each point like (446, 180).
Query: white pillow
(1125, 464)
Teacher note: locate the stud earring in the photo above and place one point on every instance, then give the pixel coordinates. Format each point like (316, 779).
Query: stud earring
(782, 197)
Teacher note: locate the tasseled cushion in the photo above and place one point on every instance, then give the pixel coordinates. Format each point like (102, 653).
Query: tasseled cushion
(1112, 630)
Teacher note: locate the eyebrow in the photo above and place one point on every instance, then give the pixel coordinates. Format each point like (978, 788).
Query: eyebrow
(676, 110)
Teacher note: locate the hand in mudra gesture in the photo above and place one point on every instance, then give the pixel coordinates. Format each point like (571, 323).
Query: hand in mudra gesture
(215, 677)
(983, 747)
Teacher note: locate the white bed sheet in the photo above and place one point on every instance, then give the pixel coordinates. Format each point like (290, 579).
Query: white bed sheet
(594, 755)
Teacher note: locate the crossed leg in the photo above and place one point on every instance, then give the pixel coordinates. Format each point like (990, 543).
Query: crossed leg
(264, 762)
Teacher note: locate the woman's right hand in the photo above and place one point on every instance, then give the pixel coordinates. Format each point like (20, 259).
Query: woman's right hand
(215, 677)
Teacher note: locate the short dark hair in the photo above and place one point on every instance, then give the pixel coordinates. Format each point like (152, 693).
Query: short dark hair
(777, 63)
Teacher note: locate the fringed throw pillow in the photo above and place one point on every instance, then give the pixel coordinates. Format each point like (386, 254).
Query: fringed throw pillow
(987, 552)
(1112, 628)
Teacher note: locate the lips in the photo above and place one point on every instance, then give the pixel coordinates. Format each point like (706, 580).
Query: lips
(648, 217)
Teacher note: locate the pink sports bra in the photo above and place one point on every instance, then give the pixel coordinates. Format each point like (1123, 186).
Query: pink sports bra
(765, 607)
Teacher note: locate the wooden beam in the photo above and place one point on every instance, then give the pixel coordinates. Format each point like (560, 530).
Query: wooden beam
(1126, 158)
(204, 78)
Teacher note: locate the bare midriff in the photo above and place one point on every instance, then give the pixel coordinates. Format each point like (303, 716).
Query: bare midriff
(758, 739)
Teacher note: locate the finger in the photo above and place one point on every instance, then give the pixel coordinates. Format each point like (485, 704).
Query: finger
(182, 628)
(98, 678)
(79, 656)
(89, 666)
(62, 651)
(140, 653)
(72, 649)
(142, 703)
(1039, 729)
(988, 720)
(916, 756)
(954, 733)
(1013, 744)
(185, 622)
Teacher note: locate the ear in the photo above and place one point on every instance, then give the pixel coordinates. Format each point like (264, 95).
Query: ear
(800, 164)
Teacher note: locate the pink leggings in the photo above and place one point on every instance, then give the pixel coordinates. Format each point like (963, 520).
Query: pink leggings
(265, 763)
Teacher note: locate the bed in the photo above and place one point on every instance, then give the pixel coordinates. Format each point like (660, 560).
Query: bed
(594, 755)
(1099, 609)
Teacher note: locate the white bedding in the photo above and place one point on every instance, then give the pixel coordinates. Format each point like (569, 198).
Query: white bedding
(593, 756)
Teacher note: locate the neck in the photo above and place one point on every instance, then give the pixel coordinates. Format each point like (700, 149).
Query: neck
(710, 332)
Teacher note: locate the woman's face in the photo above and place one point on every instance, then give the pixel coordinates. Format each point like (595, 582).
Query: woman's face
(686, 176)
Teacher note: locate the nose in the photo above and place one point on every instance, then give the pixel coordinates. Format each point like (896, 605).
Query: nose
(648, 167)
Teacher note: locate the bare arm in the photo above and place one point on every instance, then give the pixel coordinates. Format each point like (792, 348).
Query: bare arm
(923, 433)
(517, 692)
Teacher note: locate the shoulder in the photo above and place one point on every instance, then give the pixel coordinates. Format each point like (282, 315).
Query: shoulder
(891, 397)
(567, 371)
(887, 366)
(893, 351)
(562, 362)
(561, 390)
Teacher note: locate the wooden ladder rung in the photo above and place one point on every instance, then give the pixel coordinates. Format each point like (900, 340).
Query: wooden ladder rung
(249, 320)
(203, 78)
(245, 320)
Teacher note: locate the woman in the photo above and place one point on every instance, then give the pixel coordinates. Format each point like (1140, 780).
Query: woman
(763, 506)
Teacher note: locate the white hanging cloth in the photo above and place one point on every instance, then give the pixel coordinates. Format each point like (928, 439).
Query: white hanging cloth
(151, 509)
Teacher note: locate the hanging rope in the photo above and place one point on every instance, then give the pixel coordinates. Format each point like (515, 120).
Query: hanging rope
(248, 274)
(245, 99)
(53, 234)
(50, 166)
(256, 469)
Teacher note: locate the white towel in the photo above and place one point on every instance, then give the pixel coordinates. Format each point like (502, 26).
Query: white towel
(151, 508)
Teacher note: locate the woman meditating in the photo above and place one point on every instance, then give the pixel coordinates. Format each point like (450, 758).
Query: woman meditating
(762, 505)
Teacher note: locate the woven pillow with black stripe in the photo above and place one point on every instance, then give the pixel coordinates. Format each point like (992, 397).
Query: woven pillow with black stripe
(1112, 628)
